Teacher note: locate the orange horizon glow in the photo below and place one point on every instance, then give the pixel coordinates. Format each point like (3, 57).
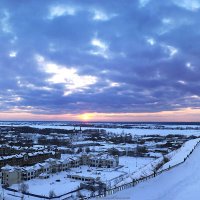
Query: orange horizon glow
(183, 115)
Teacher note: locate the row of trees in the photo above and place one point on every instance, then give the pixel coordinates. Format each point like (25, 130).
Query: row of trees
(24, 187)
(138, 151)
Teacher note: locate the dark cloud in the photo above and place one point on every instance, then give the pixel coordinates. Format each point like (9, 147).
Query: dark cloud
(143, 57)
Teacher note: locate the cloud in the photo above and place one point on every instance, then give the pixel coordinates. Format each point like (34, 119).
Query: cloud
(13, 54)
(99, 56)
(68, 76)
(61, 10)
(151, 41)
(170, 50)
(4, 22)
(100, 48)
(99, 15)
(143, 3)
(192, 5)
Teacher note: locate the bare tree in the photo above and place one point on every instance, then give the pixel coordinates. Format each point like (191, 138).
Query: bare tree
(101, 188)
(52, 194)
(79, 195)
(23, 188)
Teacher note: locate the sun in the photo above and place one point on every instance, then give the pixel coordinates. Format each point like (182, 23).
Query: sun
(86, 116)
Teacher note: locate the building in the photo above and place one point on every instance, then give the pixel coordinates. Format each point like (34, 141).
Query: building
(24, 159)
(104, 161)
(12, 174)
(8, 150)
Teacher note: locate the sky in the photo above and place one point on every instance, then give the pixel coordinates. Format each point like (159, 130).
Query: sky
(108, 60)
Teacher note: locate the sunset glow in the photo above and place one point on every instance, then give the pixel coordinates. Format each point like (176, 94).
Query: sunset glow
(86, 117)
(165, 116)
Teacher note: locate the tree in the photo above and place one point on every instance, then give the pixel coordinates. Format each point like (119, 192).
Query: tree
(52, 194)
(141, 149)
(161, 163)
(79, 150)
(165, 159)
(92, 194)
(87, 149)
(23, 188)
(79, 195)
(114, 151)
(101, 188)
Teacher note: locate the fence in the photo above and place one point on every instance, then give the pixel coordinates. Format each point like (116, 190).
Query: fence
(63, 196)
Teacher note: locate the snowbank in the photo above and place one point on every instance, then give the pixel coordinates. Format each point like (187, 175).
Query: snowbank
(180, 154)
(175, 157)
(180, 183)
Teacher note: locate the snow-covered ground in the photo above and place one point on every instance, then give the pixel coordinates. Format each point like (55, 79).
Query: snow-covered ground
(133, 168)
(154, 131)
(179, 183)
(180, 154)
(133, 131)
(105, 146)
(132, 164)
(64, 185)
(148, 169)
(136, 167)
(59, 183)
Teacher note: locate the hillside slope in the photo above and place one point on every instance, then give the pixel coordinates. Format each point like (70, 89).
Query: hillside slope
(180, 183)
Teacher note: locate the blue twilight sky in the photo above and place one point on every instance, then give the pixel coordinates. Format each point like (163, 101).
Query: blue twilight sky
(108, 56)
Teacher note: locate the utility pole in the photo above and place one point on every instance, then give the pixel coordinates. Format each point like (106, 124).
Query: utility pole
(136, 152)
(3, 193)
(136, 160)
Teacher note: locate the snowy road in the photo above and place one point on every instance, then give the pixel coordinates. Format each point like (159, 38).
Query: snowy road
(180, 183)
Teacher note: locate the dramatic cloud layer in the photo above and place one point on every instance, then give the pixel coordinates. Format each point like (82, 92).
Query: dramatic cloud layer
(59, 57)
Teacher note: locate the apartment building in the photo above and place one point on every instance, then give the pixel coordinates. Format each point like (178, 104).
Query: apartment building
(24, 159)
(12, 174)
(8, 150)
(103, 161)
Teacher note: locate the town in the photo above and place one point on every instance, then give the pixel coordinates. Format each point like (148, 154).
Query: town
(39, 162)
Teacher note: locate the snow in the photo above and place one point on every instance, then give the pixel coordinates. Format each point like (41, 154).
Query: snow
(175, 158)
(179, 183)
(133, 131)
(180, 154)
(65, 156)
(43, 186)
(105, 174)
(153, 154)
(105, 146)
(132, 164)
(133, 168)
